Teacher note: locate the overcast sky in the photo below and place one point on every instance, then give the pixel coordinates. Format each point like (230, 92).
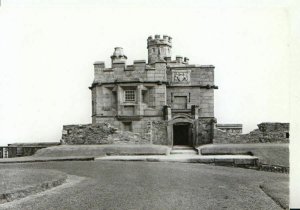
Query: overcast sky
(47, 52)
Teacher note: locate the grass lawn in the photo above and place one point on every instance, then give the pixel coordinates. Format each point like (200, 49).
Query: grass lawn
(19, 183)
(270, 154)
(278, 191)
(102, 150)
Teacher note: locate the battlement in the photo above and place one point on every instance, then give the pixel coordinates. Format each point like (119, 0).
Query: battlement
(99, 64)
(138, 71)
(166, 40)
(138, 65)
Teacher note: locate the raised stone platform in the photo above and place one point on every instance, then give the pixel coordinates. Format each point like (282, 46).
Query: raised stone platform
(230, 160)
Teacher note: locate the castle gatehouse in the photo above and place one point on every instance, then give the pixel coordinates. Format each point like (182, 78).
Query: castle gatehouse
(160, 101)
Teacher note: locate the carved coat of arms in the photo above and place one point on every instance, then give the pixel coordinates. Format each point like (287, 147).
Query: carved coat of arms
(181, 77)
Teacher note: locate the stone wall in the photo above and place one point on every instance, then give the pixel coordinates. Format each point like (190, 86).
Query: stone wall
(101, 133)
(274, 127)
(204, 131)
(266, 133)
(20, 151)
(223, 137)
(231, 128)
(159, 133)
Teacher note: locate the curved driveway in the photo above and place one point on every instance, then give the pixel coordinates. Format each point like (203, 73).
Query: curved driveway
(146, 185)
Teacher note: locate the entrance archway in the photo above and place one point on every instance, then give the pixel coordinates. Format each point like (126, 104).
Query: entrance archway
(182, 130)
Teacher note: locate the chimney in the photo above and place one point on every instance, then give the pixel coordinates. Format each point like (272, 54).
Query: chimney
(118, 57)
(179, 59)
(186, 60)
(168, 59)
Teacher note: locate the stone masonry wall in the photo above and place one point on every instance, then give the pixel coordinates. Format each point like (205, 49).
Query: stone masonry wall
(204, 131)
(223, 137)
(274, 127)
(266, 133)
(159, 133)
(101, 133)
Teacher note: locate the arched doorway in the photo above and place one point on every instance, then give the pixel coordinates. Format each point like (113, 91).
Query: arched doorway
(182, 130)
(182, 134)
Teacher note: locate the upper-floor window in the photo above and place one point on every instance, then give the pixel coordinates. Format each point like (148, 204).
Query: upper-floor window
(129, 95)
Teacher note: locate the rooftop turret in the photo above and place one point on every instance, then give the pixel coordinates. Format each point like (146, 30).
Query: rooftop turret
(158, 48)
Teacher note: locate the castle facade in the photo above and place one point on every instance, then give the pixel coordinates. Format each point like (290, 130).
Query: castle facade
(166, 101)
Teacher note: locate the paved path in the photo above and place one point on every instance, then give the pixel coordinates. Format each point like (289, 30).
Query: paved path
(148, 185)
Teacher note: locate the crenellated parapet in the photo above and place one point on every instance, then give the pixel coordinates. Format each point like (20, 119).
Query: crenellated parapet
(138, 71)
(140, 65)
(159, 48)
(166, 40)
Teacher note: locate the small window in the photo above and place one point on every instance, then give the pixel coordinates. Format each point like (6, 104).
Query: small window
(145, 96)
(127, 126)
(129, 95)
(5, 152)
(153, 49)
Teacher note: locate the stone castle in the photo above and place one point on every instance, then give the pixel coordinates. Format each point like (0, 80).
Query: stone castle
(162, 101)
(165, 101)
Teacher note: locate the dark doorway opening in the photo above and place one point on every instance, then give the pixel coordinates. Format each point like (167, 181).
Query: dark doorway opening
(181, 134)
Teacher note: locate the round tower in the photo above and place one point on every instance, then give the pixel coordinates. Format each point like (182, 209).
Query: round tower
(158, 48)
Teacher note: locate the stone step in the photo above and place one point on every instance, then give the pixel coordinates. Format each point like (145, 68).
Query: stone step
(182, 147)
(185, 152)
